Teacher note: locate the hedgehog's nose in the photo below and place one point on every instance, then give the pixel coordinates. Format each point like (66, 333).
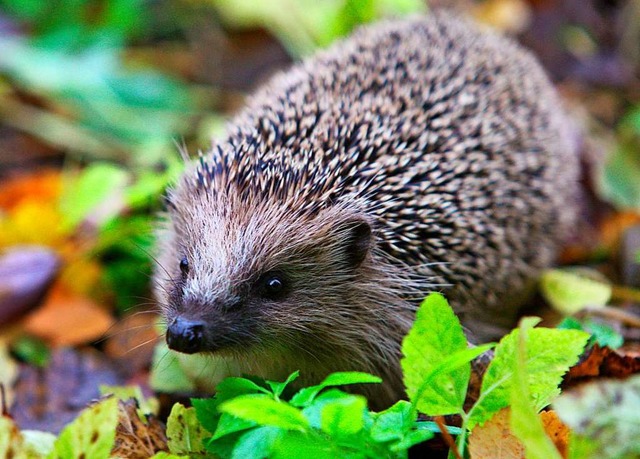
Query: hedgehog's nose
(185, 336)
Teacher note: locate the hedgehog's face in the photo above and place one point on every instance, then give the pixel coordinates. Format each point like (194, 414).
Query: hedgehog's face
(246, 280)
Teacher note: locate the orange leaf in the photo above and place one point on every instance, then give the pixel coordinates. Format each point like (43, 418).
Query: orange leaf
(68, 319)
(557, 431)
(42, 186)
(494, 439)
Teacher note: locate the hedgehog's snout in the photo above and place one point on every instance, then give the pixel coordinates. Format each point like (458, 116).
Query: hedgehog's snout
(185, 335)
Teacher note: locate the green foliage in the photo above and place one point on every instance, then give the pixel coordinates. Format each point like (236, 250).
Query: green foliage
(436, 363)
(618, 181)
(550, 353)
(73, 58)
(32, 350)
(570, 291)
(249, 418)
(309, 24)
(601, 333)
(525, 422)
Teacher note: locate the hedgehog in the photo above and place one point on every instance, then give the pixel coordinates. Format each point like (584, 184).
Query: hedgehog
(418, 155)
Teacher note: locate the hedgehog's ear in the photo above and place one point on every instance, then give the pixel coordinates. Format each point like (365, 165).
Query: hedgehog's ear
(357, 240)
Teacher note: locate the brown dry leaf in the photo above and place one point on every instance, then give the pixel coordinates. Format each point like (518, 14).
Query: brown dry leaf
(68, 319)
(589, 364)
(136, 438)
(557, 431)
(602, 362)
(494, 439)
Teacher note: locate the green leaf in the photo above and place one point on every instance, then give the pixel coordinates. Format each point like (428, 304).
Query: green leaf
(185, 435)
(435, 335)
(601, 333)
(263, 410)
(412, 438)
(228, 424)
(90, 435)
(570, 291)
(525, 422)
(618, 182)
(256, 443)
(207, 412)
(37, 444)
(550, 353)
(32, 350)
(604, 417)
(94, 191)
(343, 416)
(306, 396)
(278, 387)
(232, 387)
(394, 422)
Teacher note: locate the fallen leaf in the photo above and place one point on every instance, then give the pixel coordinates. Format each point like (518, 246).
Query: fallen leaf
(68, 319)
(136, 438)
(494, 439)
(602, 362)
(41, 186)
(25, 274)
(557, 431)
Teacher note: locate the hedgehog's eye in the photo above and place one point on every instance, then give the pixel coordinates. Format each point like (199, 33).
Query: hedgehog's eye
(184, 266)
(273, 286)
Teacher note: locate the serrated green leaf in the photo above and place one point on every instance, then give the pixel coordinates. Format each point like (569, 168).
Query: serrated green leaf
(278, 387)
(185, 435)
(550, 353)
(228, 424)
(91, 434)
(525, 422)
(604, 417)
(232, 386)
(263, 410)
(394, 422)
(435, 335)
(305, 396)
(207, 412)
(570, 291)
